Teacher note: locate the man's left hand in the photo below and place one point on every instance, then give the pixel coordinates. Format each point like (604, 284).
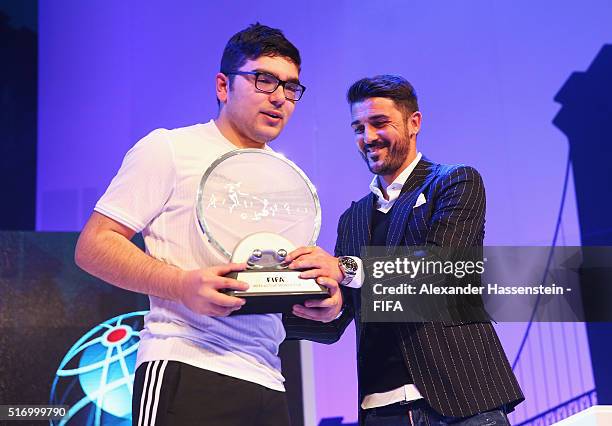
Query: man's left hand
(316, 262)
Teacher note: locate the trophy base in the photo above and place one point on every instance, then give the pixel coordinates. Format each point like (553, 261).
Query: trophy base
(274, 291)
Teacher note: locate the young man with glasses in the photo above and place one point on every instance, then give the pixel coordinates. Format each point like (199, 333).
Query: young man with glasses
(196, 364)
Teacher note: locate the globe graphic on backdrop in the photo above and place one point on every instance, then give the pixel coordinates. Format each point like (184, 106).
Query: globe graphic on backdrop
(95, 378)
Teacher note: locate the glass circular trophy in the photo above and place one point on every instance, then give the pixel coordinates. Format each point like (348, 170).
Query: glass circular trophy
(256, 206)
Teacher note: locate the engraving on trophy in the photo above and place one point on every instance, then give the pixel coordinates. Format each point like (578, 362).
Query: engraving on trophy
(251, 207)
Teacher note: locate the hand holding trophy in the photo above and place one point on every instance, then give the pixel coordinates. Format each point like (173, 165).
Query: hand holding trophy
(255, 206)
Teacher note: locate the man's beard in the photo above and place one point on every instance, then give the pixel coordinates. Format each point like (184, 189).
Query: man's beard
(396, 156)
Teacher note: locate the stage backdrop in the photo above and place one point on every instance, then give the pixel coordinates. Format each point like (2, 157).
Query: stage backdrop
(486, 74)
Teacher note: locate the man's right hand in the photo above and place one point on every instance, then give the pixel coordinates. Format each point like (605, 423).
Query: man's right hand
(200, 290)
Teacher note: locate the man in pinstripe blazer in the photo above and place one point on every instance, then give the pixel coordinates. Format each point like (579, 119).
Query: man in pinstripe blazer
(409, 373)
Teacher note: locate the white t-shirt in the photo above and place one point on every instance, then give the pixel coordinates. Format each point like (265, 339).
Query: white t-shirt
(154, 192)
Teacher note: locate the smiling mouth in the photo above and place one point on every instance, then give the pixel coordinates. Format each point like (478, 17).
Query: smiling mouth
(375, 150)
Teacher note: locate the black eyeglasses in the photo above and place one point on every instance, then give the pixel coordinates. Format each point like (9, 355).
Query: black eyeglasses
(268, 83)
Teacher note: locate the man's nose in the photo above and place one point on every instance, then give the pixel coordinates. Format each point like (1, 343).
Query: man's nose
(369, 135)
(278, 96)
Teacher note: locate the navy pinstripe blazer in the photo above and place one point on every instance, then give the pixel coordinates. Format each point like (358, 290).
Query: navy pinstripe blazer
(460, 368)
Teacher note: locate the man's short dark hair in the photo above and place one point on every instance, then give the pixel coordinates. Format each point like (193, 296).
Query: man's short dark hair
(393, 87)
(255, 41)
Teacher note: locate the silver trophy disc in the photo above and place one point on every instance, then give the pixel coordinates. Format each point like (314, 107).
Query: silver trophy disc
(256, 206)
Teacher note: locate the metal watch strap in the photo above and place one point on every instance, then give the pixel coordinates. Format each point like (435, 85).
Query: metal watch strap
(348, 274)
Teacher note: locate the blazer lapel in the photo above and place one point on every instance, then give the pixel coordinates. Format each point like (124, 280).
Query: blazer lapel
(421, 176)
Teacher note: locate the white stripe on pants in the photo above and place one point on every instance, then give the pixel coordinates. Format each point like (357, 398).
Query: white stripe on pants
(151, 389)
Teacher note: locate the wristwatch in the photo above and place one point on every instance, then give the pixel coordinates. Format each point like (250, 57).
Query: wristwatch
(348, 266)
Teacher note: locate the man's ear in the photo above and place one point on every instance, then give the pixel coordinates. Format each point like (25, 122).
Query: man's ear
(414, 122)
(222, 87)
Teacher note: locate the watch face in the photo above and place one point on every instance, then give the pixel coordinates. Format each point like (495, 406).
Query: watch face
(348, 264)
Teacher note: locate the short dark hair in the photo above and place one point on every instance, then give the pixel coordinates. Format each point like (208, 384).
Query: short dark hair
(389, 86)
(255, 41)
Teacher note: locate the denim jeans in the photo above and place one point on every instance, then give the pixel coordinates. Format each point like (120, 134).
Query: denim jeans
(423, 415)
